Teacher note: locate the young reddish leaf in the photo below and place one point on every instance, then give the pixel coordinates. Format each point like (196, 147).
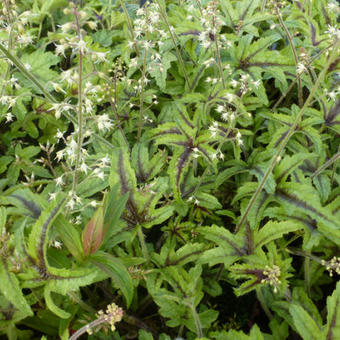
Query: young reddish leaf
(93, 233)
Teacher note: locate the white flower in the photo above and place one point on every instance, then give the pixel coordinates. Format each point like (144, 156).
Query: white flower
(57, 87)
(60, 155)
(60, 49)
(133, 62)
(25, 39)
(70, 204)
(104, 122)
(104, 162)
(9, 117)
(67, 75)
(93, 204)
(100, 57)
(234, 83)
(58, 108)
(220, 108)
(28, 67)
(52, 196)
(57, 244)
(333, 32)
(92, 25)
(65, 27)
(83, 167)
(82, 46)
(59, 180)
(332, 7)
(332, 95)
(256, 83)
(100, 174)
(300, 68)
(225, 115)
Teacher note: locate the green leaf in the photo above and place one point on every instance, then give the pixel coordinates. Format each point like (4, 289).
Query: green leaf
(40, 63)
(90, 186)
(304, 198)
(178, 165)
(274, 230)
(28, 152)
(103, 37)
(302, 299)
(159, 70)
(304, 323)
(69, 236)
(93, 233)
(117, 271)
(332, 328)
(207, 201)
(121, 172)
(289, 164)
(230, 247)
(11, 290)
(146, 168)
(114, 207)
(323, 185)
(67, 281)
(38, 238)
(188, 253)
(144, 335)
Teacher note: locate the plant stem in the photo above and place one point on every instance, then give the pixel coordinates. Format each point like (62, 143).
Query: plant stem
(260, 298)
(291, 43)
(179, 56)
(80, 107)
(285, 140)
(15, 60)
(326, 165)
(81, 303)
(197, 321)
(87, 328)
(317, 56)
(115, 112)
(307, 275)
(142, 243)
(141, 98)
(130, 27)
(219, 63)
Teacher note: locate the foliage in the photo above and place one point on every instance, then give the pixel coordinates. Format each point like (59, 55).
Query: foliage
(174, 165)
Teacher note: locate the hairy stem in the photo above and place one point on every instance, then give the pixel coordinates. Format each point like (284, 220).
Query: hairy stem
(122, 3)
(291, 43)
(179, 56)
(143, 244)
(260, 298)
(307, 275)
(80, 107)
(87, 328)
(326, 164)
(141, 98)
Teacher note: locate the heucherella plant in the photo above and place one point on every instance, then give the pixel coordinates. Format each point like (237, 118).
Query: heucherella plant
(169, 169)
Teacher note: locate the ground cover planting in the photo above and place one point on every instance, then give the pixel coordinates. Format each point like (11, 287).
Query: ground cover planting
(170, 170)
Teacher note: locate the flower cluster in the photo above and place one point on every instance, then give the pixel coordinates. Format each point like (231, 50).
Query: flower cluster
(272, 277)
(333, 266)
(112, 315)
